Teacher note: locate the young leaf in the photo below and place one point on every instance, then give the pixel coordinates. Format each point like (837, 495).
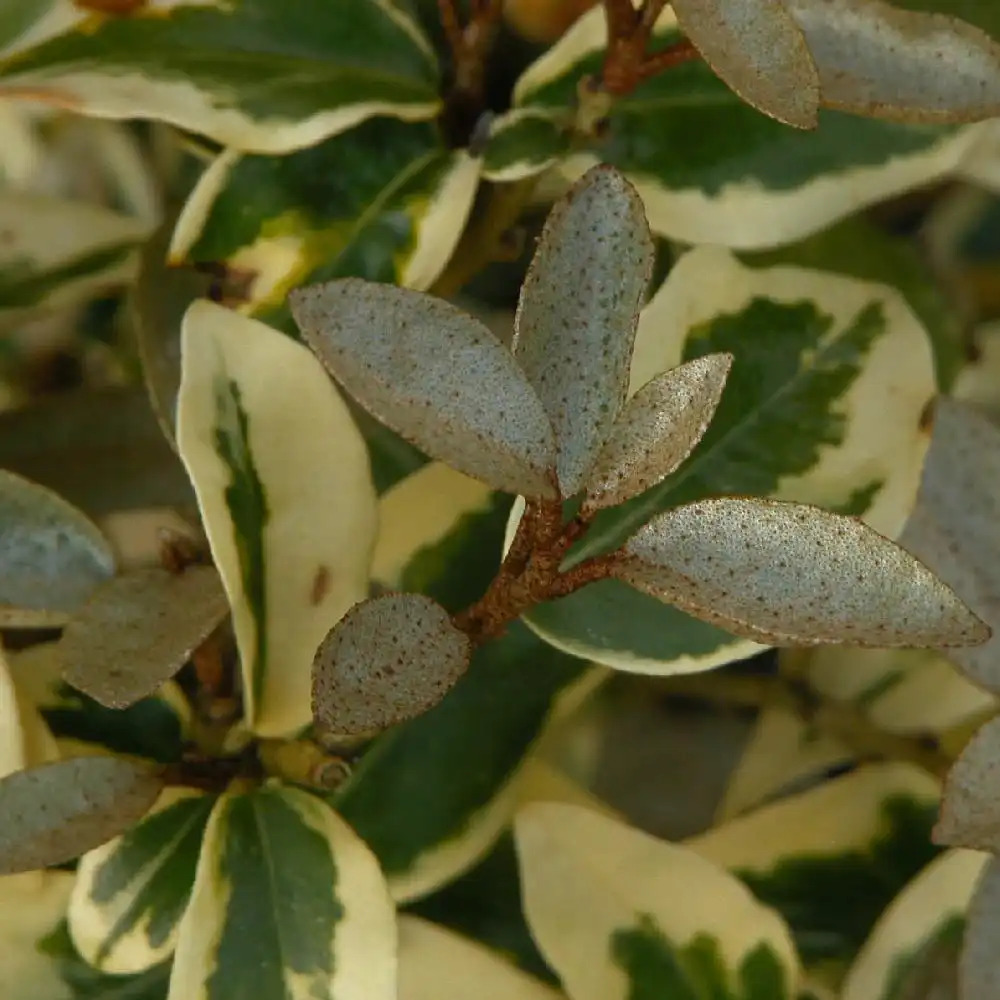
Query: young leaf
(190, 64)
(283, 483)
(283, 880)
(56, 812)
(759, 51)
(438, 964)
(435, 375)
(577, 315)
(792, 574)
(604, 904)
(52, 557)
(386, 201)
(877, 60)
(916, 941)
(970, 809)
(139, 629)
(130, 894)
(657, 430)
(387, 660)
(711, 169)
(979, 974)
(954, 525)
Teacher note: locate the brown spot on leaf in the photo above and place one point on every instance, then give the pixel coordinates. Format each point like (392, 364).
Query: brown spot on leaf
(320, 585)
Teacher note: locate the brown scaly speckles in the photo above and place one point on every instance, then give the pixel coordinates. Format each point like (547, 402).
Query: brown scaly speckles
(849, 583)
(387, 660)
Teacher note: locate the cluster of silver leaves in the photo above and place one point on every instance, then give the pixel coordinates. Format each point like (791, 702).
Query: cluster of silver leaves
(954, 530)
(550, 420)
(789, 58)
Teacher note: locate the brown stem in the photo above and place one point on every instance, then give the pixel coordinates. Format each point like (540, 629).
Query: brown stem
(680, 52)
(651, 11)
(622, 17)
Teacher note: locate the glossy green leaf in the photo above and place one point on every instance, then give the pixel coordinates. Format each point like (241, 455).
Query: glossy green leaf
(388, 659)
(602, 901)
(913, 949)
(434, 374)
(287, 902)
(577, 314)
(131, 893)
(823, 405)
(437, 964)
(386, 201)
(60, 252)
(139, 629)
(271, 448)
(792, 574)
(52, 556)
(430, 796)
(711, 169)
(57, 811)
(831, 859)
(759, 51)
(524, 142)
(249, 74)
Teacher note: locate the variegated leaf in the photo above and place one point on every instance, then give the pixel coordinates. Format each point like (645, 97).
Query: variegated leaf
(524, 142)
(130, 894)
(283, 483)
(711, 169)
(52, 557)
(287, 902)
(386, 201)
(25, 740)
(913, 950)
(792, 574)
(55, 812)
(438, 964)
(759, 51)
(138, 630)
(602, 902)
(437, 376)
(823, 405)
(831, 859)
(189, 63)
(577, 314)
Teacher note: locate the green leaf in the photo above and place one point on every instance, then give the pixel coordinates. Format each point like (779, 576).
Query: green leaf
(53, 557)
(831, 859)
(18, 16)
(602, 900)
(55, 812)
(430, 796)
(287, 902)
(919, 932)
(59, 252)
(250, 74)
(524, 142)
(710, 169)
(131, 893)
(386, 201)
(823, 405)
(269, 446)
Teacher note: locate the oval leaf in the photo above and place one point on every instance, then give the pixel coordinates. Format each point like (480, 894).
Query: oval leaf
(970, 809)
(793, 574)
(577, 316)
(283, 483)
(316, 71)
(435, 375)
(130, 894)
(387, 660)
(759, 51)
(282, 879)
(51, 556)
(602, 902)
(658, 429)
(54, 813)
(877, 60)
(139, 629)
